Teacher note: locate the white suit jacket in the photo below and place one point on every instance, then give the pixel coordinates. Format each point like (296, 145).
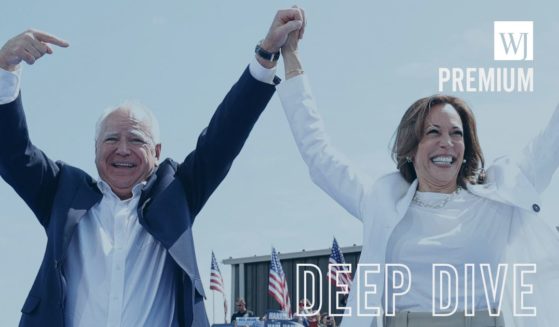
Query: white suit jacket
(515, 182)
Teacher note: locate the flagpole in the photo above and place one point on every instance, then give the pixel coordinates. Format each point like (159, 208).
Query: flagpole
(213, 308)
(224, 309)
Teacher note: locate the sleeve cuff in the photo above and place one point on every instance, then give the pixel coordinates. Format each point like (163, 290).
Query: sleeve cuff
(9, 85)
(260, 73)
(294, 87)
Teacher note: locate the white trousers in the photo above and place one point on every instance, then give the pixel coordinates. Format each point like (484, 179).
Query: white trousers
(426, 319)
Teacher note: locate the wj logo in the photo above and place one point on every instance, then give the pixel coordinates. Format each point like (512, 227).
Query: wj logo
(513, 40)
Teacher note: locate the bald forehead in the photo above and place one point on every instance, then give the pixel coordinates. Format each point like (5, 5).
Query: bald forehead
(124, 120)
(127, 115)
(135, 117)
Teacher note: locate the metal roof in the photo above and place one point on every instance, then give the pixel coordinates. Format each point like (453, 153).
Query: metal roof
(293, 255)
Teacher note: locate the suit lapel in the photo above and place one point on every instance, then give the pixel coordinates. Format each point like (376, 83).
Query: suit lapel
(157, 182)
(86, 196)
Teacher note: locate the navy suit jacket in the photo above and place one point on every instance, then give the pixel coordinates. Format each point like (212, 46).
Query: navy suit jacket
(59, 195)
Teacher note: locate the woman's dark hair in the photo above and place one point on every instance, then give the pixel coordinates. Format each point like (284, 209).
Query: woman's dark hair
(411, 129)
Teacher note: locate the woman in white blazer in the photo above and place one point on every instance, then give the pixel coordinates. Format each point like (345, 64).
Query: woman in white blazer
(440, 207)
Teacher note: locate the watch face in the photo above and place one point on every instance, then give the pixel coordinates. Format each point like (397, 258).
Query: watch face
(266, 55)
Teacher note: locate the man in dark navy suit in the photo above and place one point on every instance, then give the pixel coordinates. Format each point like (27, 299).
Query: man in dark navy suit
(119, 248)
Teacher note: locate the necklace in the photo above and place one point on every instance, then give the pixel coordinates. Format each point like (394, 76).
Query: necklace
(440, 204)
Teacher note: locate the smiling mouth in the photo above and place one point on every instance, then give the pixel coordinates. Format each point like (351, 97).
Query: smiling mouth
(444, 161)
(123, 165)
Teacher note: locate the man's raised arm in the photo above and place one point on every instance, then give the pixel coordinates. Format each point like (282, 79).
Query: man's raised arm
(219, 144)
(28, 170)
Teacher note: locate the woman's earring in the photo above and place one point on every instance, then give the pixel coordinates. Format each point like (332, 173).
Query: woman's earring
(464, 161)
(408, 159)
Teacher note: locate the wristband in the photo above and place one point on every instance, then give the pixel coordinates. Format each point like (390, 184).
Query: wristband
(267, 55)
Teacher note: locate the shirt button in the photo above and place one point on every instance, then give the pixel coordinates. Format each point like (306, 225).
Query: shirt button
(536, 207)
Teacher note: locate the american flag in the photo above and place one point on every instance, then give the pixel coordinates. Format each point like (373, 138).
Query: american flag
(337, 258)
(216, 281)
(277, 284)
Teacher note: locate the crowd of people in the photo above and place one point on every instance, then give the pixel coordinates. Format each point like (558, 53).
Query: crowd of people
(304, 316)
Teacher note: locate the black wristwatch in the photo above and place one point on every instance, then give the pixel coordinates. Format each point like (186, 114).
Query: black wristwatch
(267, 55)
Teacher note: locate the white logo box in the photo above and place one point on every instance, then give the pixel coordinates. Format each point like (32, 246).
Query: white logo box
(513, 40)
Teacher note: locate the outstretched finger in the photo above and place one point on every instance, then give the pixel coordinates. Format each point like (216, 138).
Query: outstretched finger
(48, 38)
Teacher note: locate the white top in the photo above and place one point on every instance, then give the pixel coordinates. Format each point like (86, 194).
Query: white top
(117, 273)
(467, 230)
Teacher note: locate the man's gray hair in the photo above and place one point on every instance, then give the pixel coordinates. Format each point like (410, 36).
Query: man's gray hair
(139, 111)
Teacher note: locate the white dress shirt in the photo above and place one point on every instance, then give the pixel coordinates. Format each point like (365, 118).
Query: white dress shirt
(9, 85)
(117, 274)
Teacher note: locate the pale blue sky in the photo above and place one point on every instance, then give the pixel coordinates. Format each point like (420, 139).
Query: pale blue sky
(367, 63)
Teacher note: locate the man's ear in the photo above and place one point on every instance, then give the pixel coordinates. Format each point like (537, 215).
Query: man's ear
(158, 151)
